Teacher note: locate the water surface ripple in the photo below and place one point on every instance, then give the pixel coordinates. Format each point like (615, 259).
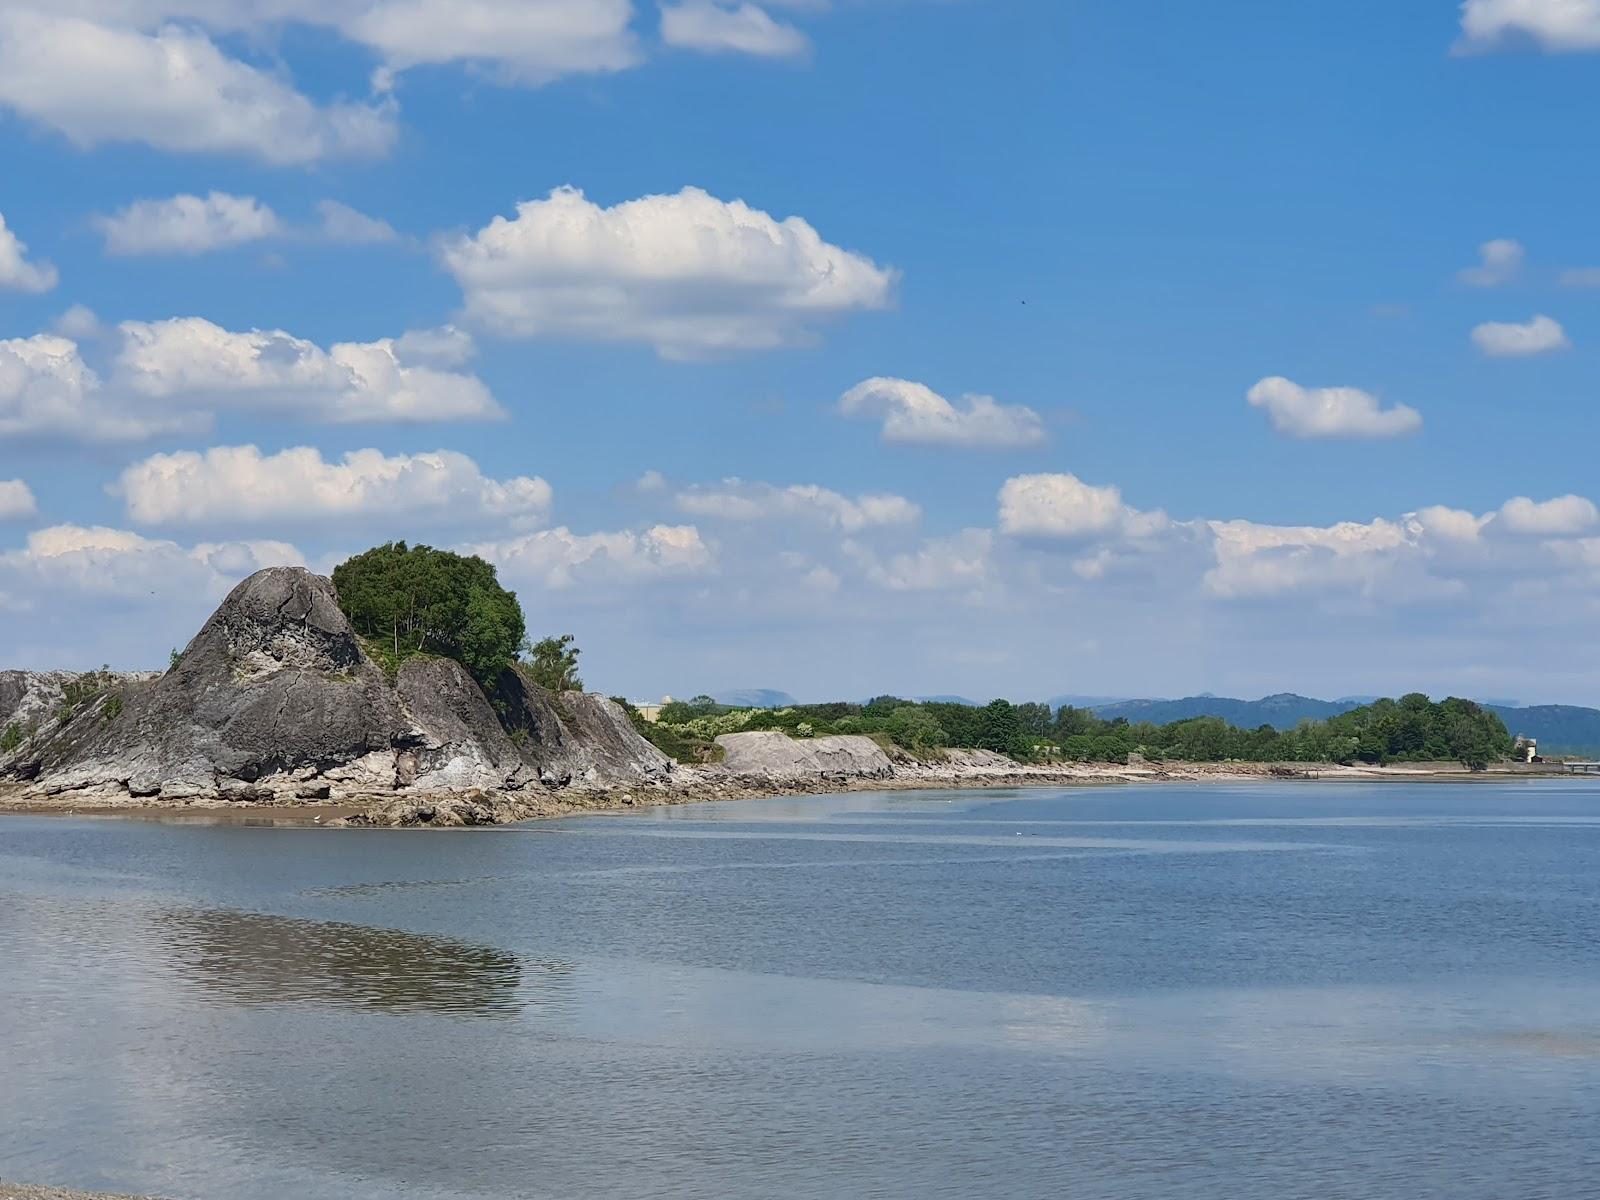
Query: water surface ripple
(1383, 992)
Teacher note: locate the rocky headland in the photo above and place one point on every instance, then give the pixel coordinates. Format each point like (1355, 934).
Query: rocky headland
(276, 704)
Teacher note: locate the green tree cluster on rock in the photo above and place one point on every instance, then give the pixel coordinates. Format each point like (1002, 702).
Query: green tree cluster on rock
(553, 663)
(414, 599)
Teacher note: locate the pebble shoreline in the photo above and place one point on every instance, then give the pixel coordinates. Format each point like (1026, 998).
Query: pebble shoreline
(697, 786)
(23, 1191)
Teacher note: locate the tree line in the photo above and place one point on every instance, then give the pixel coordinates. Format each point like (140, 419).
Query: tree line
(405, 600)
(1410, 729)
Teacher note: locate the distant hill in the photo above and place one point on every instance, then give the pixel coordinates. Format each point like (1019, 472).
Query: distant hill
(754, 698)
(1559, 728)
(1085, 701)
(1283, 711)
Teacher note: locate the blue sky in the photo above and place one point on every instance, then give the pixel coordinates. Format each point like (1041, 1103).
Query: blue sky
(1284, 319)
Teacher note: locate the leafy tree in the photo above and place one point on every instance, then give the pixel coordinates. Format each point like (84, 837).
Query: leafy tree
(680, 712)
(1034, 719)
(1072, 722)
(415, 599)
(998, 729)
(961, 722)
(883, 706)
(553, 663)
(914, 728)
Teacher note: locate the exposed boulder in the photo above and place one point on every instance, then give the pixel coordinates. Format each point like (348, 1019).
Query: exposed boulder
(275, 699)
(779, 756)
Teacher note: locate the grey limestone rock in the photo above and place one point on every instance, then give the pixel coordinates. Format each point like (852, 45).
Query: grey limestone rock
(276, 699)
(778, 756)
(576, 738)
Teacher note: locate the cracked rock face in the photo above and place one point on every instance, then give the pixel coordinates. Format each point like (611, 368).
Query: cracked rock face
(28, 698)
(275, 698)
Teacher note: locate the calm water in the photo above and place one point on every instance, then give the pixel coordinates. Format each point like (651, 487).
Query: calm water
(1191, 992)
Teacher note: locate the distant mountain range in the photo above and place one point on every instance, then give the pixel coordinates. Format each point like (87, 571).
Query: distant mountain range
(1282, 711)
(754, 698)
(1559, 728)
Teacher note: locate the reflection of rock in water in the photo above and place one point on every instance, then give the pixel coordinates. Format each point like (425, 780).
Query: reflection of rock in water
(252, 958)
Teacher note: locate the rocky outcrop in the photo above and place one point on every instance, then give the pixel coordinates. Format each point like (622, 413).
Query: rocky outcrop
(275, 699)
(576, 738)
(29, 698)
(780, 757)
(454, 740)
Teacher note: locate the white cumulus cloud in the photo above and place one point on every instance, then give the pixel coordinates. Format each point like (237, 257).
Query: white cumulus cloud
(737, 500)
(1500, 262)
(441, 346)
(559, 558)
(194, 362)
(689, 274)
(523, 41)
(97, 560)
(16, 500)
(517, 41)
(240, 483)
(79, 323)
(1330, 412)
(176, 375)
(1541, 335)
(47, 390)
(914, 414)
(1449, 524)
(76, 564)
(1557, 25)
(738, 28)
(1063, 506)
(17, 272)
(1259, 560)
(1564, 515)
(173, 89)
(187, 224)
(77, 596)
(961, 561)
